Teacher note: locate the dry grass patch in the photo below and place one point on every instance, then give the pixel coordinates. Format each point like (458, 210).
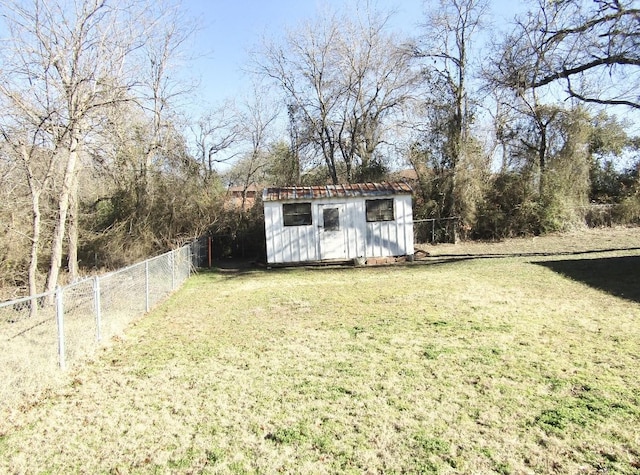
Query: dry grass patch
(583, 240)
(477, 366)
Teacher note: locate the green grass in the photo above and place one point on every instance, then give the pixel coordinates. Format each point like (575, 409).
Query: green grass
(510, 365)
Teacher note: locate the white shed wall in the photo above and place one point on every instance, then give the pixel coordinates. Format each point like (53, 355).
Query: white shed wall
(288, 243)
(392, 238)
(293, 244)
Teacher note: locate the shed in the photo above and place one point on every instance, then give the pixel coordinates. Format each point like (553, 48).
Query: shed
(338, 222)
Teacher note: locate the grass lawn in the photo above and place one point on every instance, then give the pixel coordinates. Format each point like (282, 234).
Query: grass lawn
(521, 364)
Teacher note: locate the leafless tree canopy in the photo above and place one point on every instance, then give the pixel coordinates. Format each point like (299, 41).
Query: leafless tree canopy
(67, 66)
(591, 49)
(344, 80)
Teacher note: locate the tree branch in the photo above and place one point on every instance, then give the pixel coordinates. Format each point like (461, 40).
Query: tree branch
(609, 102)
(566, 73)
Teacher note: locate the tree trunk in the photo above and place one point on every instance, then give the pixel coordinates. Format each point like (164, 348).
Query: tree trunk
(63, 209)
(35, 229)
(542, 154)
(72, 258)
(35, 244)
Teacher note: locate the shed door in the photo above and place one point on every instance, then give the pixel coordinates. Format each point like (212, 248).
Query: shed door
(332, 231)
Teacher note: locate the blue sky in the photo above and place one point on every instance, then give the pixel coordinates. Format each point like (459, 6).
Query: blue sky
(230, 28)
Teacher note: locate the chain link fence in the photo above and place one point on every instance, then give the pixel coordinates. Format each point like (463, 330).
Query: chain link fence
(436, 230)
(42, 333)
(201, 252)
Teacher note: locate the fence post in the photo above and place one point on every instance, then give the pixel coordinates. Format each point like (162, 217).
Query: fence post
(433, 231)
(209, 251)
(98, 310)
(60, 320)
(146, 285)
(189, 262)
(172, 259)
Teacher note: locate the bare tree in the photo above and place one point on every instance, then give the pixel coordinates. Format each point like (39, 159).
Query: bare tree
(302, 68)
(521, 58)
(71, 57)
(28, 145)
(450, 29)
(257, 120)
(166, 33)
(215, 133)
(343, 79)
(66, 63)
(590, 48)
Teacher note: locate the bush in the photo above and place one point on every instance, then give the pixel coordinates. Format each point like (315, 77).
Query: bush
(240, 233)
(599, 215)
(627, 211)
(508, 209)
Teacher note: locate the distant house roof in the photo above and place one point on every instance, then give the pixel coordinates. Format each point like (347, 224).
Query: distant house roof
(252, 188)
(408, 174)
(241, 196)
(335, 191)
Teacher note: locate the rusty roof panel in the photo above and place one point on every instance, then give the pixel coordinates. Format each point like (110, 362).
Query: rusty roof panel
(288, 193)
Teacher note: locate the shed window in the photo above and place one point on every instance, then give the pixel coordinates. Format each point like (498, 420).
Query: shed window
(331, 218)
(379, 210)
(297, 214)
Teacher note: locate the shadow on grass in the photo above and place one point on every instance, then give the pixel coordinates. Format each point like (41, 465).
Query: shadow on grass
(237, 268)
(619, 276)
(488, 255)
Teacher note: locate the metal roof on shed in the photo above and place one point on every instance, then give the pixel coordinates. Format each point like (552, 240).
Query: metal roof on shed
(335, 191)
